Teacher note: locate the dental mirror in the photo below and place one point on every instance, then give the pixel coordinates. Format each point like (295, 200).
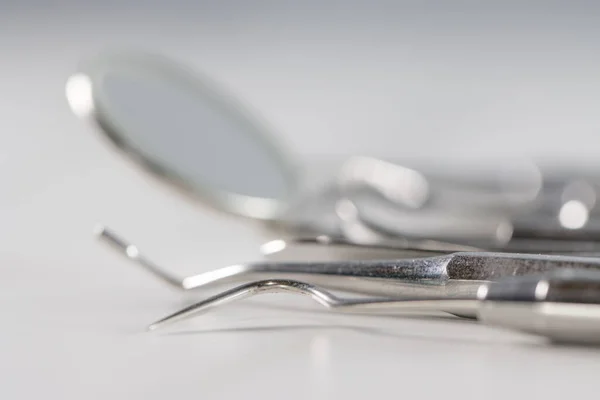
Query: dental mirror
(183, 129)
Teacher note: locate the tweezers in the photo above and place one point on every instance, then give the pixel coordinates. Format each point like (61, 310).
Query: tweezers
(450, 275)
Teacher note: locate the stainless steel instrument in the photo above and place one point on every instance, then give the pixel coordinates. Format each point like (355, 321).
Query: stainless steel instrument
(563, 305)
(183, 129)
(450, 275)
(419, 238)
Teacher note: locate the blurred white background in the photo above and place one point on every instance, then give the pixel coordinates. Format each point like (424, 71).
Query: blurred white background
(416, 79)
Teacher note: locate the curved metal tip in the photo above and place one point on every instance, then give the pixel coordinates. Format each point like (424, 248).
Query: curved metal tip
(110, 237)
(267, 286)
(324, 298)
(131, 252)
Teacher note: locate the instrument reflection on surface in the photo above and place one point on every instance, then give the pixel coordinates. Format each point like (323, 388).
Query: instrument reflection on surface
(455, 230)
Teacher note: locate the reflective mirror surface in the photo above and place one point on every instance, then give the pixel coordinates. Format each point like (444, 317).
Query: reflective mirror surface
(182, 128)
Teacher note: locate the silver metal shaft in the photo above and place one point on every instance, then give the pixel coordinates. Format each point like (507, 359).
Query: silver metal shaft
(131, 251)
(321, 296)
(451, 275)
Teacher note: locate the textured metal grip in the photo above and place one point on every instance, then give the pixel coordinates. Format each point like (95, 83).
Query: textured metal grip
(493, 266)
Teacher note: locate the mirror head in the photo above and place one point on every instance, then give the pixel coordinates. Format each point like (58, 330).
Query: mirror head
(183, 129)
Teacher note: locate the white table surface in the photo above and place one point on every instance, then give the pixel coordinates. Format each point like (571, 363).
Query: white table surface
(406, 80)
